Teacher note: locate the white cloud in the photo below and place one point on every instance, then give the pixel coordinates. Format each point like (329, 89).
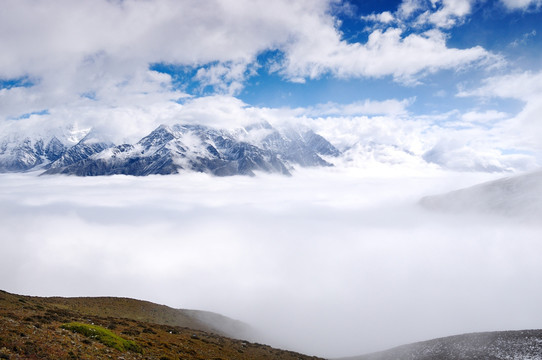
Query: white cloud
(409, 7)
(103, 49)
(483, 117)
(521, 85)
(439, 13)
(98, 46)
(522, 129)
(326, 53)
(460, 155)
(331, 262)
(449, 14)
(365, 107)
(227, 78)
(385, 17)
(522, 4)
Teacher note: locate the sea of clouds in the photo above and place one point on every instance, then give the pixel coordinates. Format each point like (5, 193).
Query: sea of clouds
(330, 262)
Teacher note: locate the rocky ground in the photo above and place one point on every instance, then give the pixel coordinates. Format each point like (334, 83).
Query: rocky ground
(502, 345)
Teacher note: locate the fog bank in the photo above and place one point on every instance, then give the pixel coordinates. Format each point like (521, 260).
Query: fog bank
(327, 262)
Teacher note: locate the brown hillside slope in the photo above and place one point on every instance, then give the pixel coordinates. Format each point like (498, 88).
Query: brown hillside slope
(32, 328)
(153, 313)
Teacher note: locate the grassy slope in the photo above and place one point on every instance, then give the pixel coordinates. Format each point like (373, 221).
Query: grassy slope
(31, 328)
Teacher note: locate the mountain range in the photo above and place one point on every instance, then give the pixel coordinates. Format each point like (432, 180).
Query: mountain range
(170, 150)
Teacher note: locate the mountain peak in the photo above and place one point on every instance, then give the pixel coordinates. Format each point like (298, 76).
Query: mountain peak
(190, 147)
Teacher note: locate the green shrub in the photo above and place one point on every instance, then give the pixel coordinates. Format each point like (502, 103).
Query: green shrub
(103, 335)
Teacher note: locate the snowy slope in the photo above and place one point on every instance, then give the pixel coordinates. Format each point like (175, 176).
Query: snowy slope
(32, 150)
(504, 345)
(518, 196)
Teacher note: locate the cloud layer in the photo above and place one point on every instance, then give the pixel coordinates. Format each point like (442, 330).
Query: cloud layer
(328, 262)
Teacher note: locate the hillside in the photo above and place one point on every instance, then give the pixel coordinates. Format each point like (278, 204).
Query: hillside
(153, 313)
(503, 345)
(118, 328)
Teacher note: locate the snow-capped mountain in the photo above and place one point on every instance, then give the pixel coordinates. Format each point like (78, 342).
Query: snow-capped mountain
(84, 149)
(32, 150)
(300, 147)
(170, 149)
(29, 153)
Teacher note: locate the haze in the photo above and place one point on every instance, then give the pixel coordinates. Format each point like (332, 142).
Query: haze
(329, 262)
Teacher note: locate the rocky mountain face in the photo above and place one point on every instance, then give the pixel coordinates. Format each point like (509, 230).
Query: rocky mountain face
(509, 345)
(169, 150)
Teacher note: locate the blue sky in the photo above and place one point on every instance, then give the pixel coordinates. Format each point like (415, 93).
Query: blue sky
(462, 76)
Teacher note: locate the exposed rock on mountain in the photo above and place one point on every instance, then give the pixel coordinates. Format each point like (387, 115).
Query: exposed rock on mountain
(28, 153)
(84, 149)
(168, 150)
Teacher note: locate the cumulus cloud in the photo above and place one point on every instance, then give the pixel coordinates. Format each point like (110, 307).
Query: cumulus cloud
(409, 7)
(449, 13)
(443, 14)
(385, 17)
(330, 262)
(102, 49)
(326, 53)
(227, 78)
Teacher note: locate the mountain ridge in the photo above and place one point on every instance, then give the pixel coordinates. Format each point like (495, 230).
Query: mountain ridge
(172, 149)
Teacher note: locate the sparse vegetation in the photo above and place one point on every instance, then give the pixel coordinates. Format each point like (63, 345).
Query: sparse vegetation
(34, 328)
(103, 335)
